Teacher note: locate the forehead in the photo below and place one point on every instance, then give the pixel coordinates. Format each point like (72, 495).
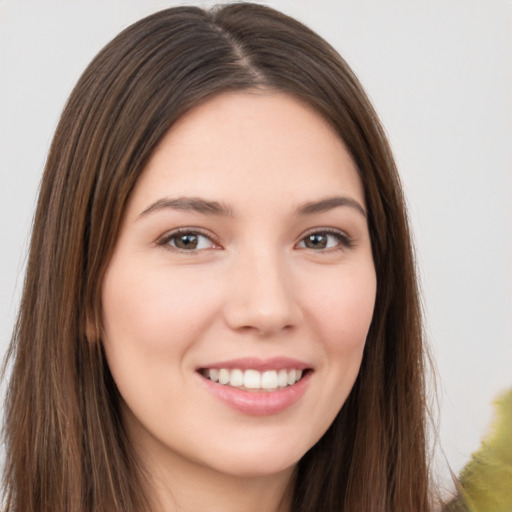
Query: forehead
(243, 146)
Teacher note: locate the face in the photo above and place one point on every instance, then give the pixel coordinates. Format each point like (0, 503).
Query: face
(240, 293)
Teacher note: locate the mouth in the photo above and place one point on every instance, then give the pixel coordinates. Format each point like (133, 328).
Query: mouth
(254, 380)
(257, 387)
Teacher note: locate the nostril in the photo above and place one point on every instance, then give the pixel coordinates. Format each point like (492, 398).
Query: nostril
(245, 318)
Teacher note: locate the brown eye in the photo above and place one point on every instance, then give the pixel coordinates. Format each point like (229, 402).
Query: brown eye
(188, 241)
(321, 240)
(316, 241)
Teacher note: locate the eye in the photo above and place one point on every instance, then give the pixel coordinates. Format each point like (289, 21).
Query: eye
(325, 240)
(187, 240)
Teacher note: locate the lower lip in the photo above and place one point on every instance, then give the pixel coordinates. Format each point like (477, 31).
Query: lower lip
(259, 403)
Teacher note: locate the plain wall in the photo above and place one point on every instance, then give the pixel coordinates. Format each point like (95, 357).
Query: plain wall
(440, 76)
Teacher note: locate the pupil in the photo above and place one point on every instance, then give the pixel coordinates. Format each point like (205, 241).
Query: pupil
(187, 242)
(316, 241)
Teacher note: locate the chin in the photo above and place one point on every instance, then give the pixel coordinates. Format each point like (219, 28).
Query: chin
(259, 459)
(258, 466)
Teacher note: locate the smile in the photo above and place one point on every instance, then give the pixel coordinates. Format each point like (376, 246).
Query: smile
(251, 379)
(257, 387)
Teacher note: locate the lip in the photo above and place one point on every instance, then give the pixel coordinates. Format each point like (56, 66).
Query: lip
(254, 363)
(258, 403)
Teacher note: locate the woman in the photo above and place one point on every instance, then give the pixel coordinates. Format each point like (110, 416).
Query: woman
(220, 306)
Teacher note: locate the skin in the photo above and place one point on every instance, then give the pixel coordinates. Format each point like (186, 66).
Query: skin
(254, 287)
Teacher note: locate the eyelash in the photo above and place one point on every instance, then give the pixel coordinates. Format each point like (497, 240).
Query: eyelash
(166, 239)
(344, 241)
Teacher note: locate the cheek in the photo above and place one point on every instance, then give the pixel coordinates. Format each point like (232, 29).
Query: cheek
(151, 319)
(154, 310)
(344, 311)
(151, 322)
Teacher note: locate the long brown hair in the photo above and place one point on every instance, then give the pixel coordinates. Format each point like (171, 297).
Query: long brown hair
(66, 446)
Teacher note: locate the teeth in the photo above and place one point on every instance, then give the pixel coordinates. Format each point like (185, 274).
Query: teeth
(282, 378)
(224, 376)
(253, 379)
(237, 378)
(269, 380)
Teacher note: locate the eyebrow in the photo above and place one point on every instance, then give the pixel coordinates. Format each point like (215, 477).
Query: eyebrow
(190, 204)
(312, 207)
(206, 207)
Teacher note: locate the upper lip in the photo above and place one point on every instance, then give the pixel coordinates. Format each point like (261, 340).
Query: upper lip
(255, 363)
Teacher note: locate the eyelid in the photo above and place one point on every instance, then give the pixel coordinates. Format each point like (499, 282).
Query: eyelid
(345, 241)
(163, 240)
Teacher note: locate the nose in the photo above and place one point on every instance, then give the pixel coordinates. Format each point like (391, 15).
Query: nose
(262, 295)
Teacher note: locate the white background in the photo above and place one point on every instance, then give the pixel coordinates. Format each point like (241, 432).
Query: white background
(440, 76)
